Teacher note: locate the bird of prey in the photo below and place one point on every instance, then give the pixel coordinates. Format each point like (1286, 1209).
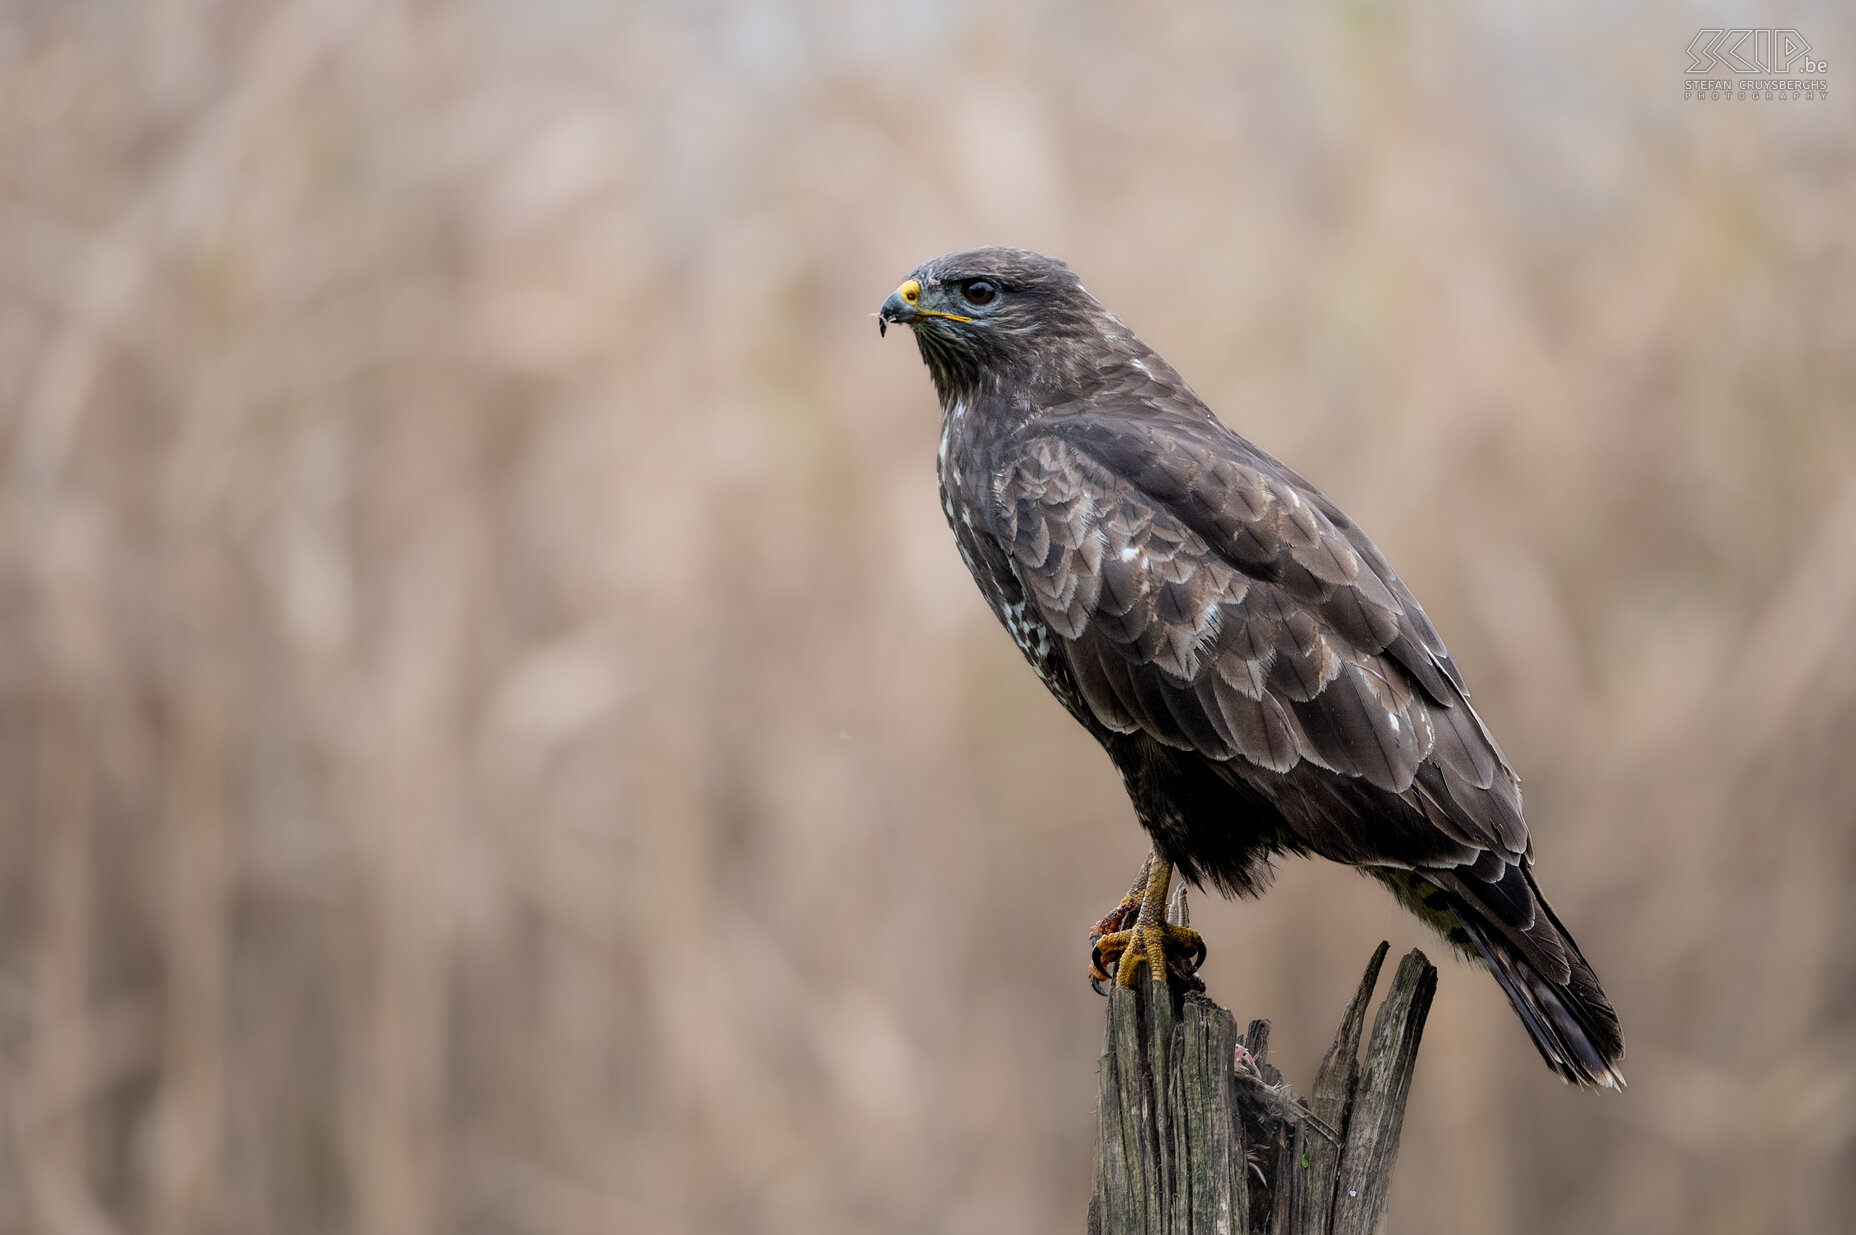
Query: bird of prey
(1260, 677)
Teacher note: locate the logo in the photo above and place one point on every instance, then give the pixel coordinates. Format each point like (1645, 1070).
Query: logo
(1777, 63)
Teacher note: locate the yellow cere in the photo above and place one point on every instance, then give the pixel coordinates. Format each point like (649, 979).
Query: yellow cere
(911, 293)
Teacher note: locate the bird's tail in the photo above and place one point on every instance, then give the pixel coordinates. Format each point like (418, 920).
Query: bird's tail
(1550, 984)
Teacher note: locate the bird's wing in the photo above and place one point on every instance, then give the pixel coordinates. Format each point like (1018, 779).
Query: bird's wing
(1206, 595)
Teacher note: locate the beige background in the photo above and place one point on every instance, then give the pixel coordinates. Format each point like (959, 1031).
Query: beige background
(495, 735)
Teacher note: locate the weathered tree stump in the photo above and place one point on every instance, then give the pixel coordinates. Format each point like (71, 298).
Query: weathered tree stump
(1195, 1136)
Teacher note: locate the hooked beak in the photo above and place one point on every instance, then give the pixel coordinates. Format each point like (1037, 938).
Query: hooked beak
(900, 308)
(904, 307)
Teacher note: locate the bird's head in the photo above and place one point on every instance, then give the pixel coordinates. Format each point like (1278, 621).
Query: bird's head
(991, 313)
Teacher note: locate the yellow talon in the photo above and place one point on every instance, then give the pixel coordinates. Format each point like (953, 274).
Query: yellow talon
(1149, 940)
(1128, 950)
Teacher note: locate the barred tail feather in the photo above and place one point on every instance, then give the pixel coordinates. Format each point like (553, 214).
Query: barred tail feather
(1572, 1023)
(1505, 921)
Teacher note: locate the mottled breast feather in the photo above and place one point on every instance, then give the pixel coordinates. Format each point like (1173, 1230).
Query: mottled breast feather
(1208, 596)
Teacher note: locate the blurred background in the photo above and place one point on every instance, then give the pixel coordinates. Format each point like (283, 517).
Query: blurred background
(495, 735)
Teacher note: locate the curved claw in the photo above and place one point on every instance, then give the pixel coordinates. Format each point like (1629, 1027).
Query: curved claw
(1101, 969)
(1183, 948)
(1186, 968)
(1143, 930)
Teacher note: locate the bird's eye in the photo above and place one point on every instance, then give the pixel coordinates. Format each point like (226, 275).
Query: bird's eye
(979, 291)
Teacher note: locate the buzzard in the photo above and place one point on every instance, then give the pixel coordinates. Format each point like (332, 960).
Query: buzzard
(1259, 675)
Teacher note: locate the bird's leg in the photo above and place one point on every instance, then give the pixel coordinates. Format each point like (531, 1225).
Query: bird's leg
(1150, 939)
(1146, 939)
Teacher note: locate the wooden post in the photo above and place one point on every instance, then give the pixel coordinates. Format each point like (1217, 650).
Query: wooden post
(1195, 1136)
